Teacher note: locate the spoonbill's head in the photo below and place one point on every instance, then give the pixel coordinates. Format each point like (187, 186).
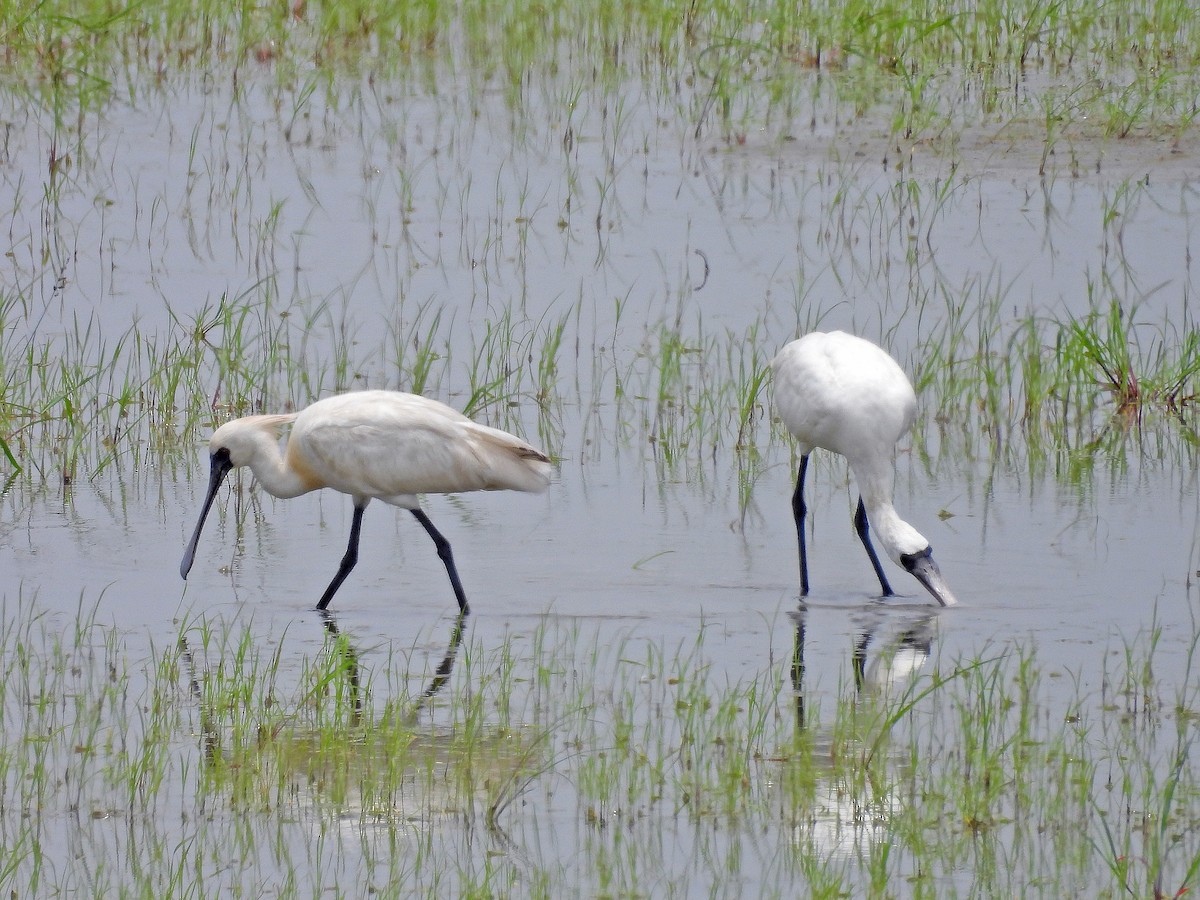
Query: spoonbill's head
(237, 443)
(911, 551)
(220, 464)
(922, 567)
(234, 444)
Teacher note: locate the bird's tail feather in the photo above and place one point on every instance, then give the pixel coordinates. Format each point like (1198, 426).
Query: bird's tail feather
(512, 464)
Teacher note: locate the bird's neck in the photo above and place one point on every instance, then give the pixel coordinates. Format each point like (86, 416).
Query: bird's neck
(272, 471)
(875, 478)
(887, 526)
(875, 485)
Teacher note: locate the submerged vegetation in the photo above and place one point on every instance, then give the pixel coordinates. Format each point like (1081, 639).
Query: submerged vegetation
(595, 223)
(973, 776)
(1012, 381)
(81, 396)
(1021, 391)
(936, 65)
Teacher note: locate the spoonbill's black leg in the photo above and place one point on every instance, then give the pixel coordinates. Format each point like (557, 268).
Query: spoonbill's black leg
(863, 529)
(443, 551)
(798, 512)
(348, 560)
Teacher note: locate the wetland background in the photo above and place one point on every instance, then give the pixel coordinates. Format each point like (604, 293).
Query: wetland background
(594, 224)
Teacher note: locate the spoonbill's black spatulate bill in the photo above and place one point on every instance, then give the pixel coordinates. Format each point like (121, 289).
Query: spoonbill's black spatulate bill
(844, 394)
(373, 445)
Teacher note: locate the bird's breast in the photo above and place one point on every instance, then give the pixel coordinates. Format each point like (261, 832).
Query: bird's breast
(302, 468)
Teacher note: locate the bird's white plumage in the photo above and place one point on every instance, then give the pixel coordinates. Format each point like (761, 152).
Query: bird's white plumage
(373, 445)
(382, 445)
(392, 446)
(844, 394)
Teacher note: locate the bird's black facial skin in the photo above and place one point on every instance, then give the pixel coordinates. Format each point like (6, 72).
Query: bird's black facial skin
(220, 464)
(922, 567)
(910, 560)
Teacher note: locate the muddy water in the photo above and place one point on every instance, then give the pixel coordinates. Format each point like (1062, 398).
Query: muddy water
(388, 206)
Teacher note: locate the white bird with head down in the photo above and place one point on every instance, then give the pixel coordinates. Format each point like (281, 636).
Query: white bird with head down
(844, 394)
(373, 445)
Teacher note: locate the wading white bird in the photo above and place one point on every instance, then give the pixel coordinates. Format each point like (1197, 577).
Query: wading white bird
(373, 445)
(844, 394)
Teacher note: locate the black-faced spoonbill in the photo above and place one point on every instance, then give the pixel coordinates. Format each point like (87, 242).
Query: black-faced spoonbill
(383, 445)
(844, 394)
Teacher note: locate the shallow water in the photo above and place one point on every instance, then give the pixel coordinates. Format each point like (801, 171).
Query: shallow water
(372, 217)
(387, 203)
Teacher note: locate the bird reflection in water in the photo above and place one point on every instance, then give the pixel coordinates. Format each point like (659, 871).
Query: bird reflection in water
(850, 801)
(888, 652)
(350, 663)
(351, 658)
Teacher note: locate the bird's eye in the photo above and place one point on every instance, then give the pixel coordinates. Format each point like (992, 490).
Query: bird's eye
(908, 560)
